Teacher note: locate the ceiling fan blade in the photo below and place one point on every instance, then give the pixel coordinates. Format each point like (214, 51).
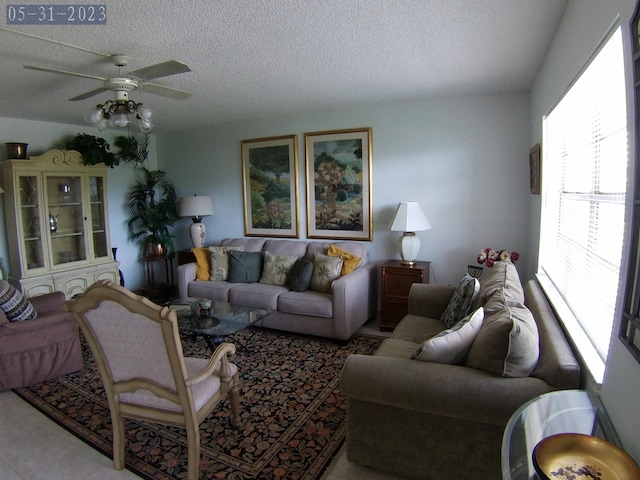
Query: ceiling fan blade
(165, 91)
(63, 72)
(90, 94)
(164, 69)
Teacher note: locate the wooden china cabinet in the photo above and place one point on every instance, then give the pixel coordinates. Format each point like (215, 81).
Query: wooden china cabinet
(57, 223)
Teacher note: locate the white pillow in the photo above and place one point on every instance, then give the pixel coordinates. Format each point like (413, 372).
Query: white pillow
(451, 346)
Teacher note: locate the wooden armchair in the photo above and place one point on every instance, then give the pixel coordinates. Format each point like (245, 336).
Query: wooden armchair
(138, 352)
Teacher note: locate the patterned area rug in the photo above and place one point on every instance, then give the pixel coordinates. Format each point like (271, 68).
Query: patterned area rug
(292, 410)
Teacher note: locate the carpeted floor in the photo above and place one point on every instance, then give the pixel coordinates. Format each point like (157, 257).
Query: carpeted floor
(293, 414)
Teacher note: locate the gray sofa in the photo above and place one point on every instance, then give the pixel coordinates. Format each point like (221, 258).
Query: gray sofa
(337, 314)
(429, 420)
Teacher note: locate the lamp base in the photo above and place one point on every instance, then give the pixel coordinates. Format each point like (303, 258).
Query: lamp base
(198, 233)
(409, 248)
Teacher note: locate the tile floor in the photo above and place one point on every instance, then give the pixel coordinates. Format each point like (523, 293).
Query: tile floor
(32, 447)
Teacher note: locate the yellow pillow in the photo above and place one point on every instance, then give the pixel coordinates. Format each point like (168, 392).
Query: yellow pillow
(202, 263)
(349, 260)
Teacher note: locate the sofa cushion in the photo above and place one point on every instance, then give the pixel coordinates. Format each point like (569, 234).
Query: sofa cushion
(245, 267)
(203, 263)
(281, 246)
(276, 268)
(508, 342)
(300, 275)
(257, 295)
(396, 348)
(310, 303)
(460, 301)
(349, 260)
(417, 329)
(326, 269)
(452, 345)
(248, 244)
(15, 306)
(214, 290)
(503, 275)
(219, 262)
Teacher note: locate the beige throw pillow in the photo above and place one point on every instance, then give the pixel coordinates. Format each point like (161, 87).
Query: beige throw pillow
(507, 344)
(326, 269)
(220, 262)
(276, 268)
(452, 345)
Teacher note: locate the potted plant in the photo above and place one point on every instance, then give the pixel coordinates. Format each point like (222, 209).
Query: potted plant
(152, 208)
(94, 150)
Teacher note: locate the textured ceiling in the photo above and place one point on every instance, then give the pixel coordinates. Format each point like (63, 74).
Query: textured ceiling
(258, 58)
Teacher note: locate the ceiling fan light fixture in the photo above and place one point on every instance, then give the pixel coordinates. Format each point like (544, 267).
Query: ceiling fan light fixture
(116, 114)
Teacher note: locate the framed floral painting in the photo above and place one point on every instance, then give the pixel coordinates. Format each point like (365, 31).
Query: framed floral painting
(338, 170)
(270, 186)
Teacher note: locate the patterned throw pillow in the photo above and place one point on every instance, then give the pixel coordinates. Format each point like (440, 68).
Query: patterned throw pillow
(460, 301)
(276, 268)
(220, 262)
(15, 305)
(244, 267)
(349, 260)
(451, 346)
(326, 269)
(300, 275)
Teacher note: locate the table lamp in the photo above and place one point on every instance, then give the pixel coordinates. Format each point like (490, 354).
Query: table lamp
(196, 207)
(409, 219)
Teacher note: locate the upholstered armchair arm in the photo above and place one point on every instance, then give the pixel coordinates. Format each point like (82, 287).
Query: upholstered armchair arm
(353, 300)
(439, 389)
(186, 274)
(427, 300)
(218, 357)
(49, 302)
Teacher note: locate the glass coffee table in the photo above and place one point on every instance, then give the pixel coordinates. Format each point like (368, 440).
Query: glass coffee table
(219, 322)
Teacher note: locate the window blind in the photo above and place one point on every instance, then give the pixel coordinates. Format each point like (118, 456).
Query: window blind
(584, 185)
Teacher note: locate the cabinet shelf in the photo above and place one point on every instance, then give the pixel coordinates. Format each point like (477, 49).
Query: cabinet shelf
(59, 234)
(66, 204)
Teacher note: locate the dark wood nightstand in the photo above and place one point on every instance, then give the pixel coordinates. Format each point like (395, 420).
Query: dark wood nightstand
(396, 283)
(159, 293)
(185, 256)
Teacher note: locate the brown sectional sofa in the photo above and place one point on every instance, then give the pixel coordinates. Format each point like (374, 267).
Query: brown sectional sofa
(45, 347)
(337, 314)
(429, 420)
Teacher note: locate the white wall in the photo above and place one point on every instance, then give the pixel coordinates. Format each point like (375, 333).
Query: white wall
(465, 159)
(43, 136)
(583, 26)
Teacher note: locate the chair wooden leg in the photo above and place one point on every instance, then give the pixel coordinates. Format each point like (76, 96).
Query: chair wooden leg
(234, 398)
(118, 441)
(193, 444)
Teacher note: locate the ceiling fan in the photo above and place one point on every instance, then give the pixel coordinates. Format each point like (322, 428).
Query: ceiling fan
(137, 79)
(116, 113)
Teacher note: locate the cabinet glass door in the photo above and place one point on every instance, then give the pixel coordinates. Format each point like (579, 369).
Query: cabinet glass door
(29, 221)
(98, 223)
(66, 219)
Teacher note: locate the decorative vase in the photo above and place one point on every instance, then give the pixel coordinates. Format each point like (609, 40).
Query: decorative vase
(157, 249)
(17, 150)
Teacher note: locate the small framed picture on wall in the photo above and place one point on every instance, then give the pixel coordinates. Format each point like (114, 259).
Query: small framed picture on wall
(534, 169)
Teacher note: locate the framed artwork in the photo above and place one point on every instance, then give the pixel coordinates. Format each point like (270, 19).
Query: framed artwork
(534, 169)
(338, 170)
(270, 186)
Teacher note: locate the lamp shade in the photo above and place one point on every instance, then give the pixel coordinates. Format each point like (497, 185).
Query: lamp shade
(410, 218)
(196, 206)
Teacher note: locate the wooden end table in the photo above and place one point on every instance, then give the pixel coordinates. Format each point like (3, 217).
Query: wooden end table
(397, 279)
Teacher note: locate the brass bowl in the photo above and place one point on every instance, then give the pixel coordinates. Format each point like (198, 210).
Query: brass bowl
(582, 457)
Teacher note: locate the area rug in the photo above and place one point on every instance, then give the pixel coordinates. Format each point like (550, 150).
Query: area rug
(293, 413)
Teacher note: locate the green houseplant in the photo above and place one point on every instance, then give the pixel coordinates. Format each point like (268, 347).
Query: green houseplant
(94, 150)
(152, 211)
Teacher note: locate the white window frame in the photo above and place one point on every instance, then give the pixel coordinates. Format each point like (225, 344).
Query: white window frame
(592, 357)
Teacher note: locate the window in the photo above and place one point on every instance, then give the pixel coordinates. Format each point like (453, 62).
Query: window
(584, 189)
